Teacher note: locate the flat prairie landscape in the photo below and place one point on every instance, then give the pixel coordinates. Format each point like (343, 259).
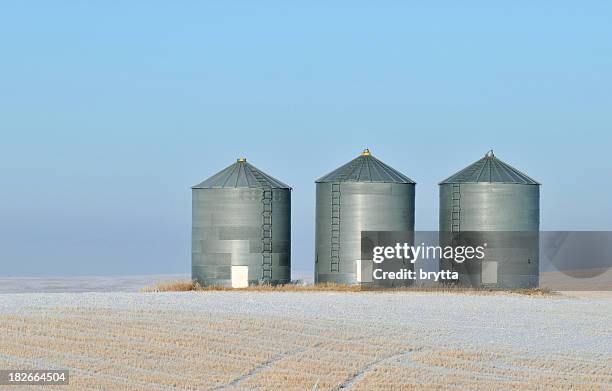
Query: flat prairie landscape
(217, 340)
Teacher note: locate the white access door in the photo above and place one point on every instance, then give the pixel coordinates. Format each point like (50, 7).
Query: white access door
(240, 276)
(489, 272)
(364, 270)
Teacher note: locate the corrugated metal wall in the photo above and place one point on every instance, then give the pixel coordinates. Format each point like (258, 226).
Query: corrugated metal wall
(502, 208)
(362, 207)
(227, 231)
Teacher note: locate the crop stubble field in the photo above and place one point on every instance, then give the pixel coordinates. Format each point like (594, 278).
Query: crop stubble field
(310, 340)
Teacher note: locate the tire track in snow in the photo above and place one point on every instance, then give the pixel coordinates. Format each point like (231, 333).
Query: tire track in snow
(261, 367)
(351, 381)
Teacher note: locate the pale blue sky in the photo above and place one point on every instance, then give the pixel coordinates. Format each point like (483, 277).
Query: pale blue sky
(109, 112)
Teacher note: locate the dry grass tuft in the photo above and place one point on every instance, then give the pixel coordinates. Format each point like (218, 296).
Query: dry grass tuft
(173, 286)
(187, 285)
(536, 292)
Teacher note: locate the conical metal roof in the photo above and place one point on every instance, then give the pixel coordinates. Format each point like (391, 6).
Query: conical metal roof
(241, 174)
(365, 168)
(489, 169)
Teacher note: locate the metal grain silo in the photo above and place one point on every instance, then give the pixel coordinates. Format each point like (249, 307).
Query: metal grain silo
(363, 195)
(496, 204)
(241, 228)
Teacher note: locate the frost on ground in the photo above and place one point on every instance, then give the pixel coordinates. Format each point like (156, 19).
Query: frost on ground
(83, 283)
(310, 340)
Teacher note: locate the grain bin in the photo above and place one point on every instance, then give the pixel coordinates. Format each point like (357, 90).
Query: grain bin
(496, 204)
(241, 228)
(363, 195)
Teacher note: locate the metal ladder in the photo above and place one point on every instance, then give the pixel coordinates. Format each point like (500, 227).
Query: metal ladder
(455, 218)
(335, 214)
(335, 227)
(456, 209)
(266, 228)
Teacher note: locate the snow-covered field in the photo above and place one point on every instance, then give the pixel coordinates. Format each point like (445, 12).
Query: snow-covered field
(310, 340)
(83, 283)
